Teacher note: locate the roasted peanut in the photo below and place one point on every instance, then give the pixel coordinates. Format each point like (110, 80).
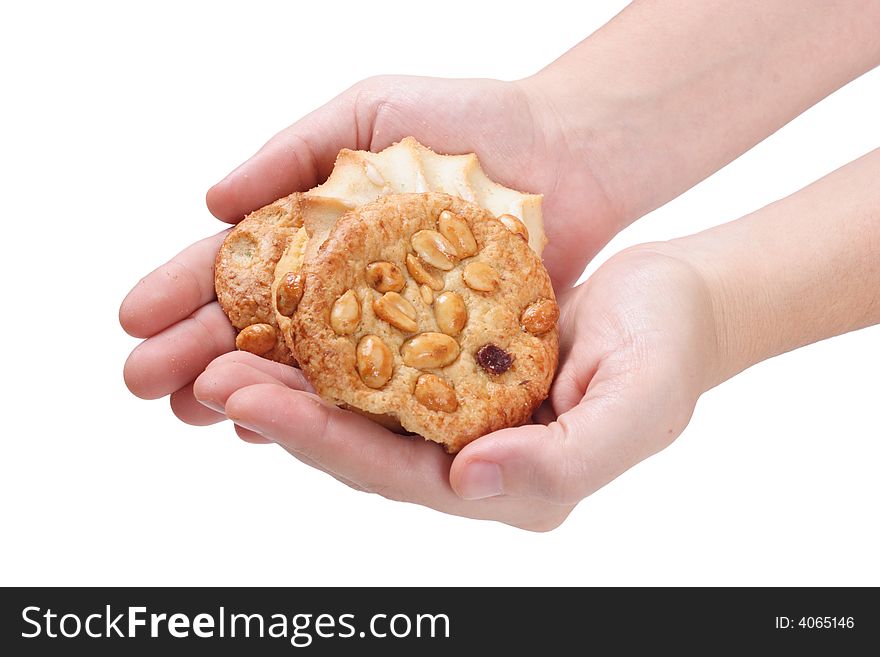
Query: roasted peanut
(258, 339)
(540, 316)
(480, 276)
(420, 273)
(494, 359)
(514, 225)
(427, 295)
(429, 350)
(457, 231)
(289, 292)
(397, 311)
(385, 277)
(434, 249)
(450, 313)
(435, 394)
(345, 314)
(374, 362)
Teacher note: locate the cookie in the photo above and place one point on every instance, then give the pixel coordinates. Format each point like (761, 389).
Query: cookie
(318, 215)
(244, 271)
(263, 253)
(427, 310)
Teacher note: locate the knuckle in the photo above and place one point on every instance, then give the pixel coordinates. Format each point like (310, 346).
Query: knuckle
(559, 477)
(372, 83)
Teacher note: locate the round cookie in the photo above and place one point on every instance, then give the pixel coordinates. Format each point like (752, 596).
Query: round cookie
(426, 309)
(244, 271)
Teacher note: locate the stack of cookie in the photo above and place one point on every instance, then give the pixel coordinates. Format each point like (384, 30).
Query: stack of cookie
(408, 287)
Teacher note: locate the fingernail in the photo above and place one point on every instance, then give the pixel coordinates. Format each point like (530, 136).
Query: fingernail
(481, 479)
(211, 405)
(253, 426)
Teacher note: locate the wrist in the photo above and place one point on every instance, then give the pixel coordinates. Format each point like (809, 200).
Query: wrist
(626, 133)
(742, 314)
(584, 133)
(794, 272)
(578, 208)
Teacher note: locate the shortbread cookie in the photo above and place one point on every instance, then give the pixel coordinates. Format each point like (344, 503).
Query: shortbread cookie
(427, 310)
(359, 177)
(263, 253)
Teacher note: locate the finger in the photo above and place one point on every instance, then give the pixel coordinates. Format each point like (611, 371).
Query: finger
(342, 442)
(292, 377)
(295, 159)
(173, 291)
(607, 433)
(251, 436)
(214, 386)
(350, 447)
(187, 408)
(170, 360)
(239, 369)
(368, 457)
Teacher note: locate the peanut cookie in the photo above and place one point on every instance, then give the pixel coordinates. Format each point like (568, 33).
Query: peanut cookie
(261, 256)
(245, 269)
(428, 310)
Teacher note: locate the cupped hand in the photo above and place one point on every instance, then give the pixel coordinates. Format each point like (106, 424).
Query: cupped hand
(513, 128)
(637, 349)
(633, 338)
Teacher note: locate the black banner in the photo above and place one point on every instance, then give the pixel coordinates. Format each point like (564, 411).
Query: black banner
(332, 621)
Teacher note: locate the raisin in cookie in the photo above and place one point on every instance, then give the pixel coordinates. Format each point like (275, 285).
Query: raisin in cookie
(258, 263)
(426, 309)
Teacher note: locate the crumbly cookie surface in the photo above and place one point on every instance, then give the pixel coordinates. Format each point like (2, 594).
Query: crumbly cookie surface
(426, 309)
(244, 271)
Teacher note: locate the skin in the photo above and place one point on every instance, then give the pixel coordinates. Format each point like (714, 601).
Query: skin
(656, 100)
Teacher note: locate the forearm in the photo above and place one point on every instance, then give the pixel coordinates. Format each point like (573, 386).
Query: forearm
(670, 91)
(800, 270)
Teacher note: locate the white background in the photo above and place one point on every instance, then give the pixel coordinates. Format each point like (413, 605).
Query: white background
(116, 120)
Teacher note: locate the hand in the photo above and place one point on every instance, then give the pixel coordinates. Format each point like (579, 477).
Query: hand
(517, 137)
(637, 349)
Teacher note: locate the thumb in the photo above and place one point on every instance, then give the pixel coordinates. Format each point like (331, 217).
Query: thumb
(610, 430)
(296, 159)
